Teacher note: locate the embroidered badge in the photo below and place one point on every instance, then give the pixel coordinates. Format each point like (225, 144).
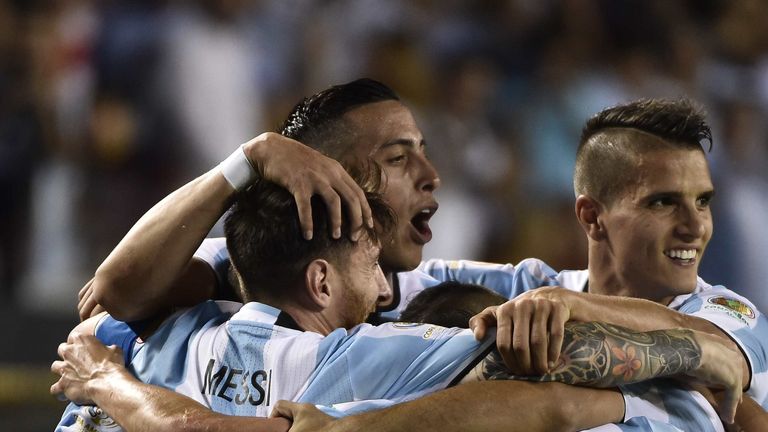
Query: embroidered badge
(734, 305)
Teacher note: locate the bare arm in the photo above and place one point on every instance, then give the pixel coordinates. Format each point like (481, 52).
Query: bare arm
(646, 315)
(152, 267)
(603, 355)
(530, 326)
(504, 406)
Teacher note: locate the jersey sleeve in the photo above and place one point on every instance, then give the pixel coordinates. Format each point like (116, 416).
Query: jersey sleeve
(213, 251)
(669, 402)
(394, 361)
(505, 279)
(746, 325)
(113, 332)
(88, 417)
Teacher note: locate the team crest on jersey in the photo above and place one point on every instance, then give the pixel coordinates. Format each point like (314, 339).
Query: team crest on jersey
(96, 420)
(733, 305)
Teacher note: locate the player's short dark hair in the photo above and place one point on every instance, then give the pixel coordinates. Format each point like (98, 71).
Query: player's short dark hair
(266, 243)
(316, 120)
(612, 140)
(450, 304)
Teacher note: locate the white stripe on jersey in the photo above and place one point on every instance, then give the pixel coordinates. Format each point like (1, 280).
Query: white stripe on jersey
(509, 281)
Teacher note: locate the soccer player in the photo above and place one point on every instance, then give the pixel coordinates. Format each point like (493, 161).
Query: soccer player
(289, 340)
(150, 268)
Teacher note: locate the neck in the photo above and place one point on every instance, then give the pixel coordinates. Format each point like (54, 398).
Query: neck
(312, 321)
(605, 279)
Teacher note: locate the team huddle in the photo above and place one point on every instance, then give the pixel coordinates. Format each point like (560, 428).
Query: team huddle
(317, 313)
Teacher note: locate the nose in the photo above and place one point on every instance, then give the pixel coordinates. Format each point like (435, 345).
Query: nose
(693, 222)
(428, 179)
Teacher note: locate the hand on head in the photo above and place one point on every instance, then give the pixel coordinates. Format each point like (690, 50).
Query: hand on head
(305, 172)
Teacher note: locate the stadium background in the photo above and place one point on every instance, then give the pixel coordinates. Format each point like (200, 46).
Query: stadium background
(107, 106)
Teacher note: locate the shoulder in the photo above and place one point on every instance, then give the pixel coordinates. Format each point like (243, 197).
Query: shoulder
(88, 326)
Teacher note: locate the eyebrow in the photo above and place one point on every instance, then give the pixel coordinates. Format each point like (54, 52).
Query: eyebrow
(404, 142)
(677, 195)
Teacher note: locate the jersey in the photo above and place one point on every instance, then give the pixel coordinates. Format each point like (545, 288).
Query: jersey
(241, 361)
(732, 313)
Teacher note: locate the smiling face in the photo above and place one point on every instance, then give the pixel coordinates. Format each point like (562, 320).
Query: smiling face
(387, 133)
(656, 231)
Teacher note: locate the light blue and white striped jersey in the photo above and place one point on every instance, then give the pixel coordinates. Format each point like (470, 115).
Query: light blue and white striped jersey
(732, 313)
(242, 360)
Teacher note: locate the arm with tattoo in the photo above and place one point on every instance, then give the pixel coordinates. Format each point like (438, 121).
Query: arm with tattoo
(603, 355)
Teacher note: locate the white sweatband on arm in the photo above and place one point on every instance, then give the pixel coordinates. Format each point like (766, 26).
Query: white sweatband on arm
(237, 169)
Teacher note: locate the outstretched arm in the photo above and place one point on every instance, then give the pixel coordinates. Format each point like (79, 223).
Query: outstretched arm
(152, 267)
(504, 406)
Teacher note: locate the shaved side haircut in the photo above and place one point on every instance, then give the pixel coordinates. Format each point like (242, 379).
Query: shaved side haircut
(613, 140)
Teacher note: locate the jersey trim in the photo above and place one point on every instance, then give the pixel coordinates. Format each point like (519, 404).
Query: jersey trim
(471, 365)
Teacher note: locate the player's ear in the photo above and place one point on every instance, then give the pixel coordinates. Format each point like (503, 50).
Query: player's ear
(589, 212)
(317, 280)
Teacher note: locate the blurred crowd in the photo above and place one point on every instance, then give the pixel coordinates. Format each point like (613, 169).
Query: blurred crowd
(107, 106)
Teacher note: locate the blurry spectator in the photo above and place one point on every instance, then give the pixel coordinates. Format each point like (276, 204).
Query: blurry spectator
(20, 148)
(210, 75)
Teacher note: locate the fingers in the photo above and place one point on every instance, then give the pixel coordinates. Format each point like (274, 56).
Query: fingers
(58, 366)
(333, 204)
(728, 405)
(480, 322)
(337, 189)
(557, 320)
(539, 346)
(63, 349)
(305, 172)
(530, 333)
(303, 198)
(365, 209)
(84, 291)
(57, 389)
(85, 301)
(521, 328)
(285, 409)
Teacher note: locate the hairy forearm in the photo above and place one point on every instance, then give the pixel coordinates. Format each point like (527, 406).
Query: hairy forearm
(506, 406)
(141, 276)
(602, 355)
(643, 315)
(140, 407)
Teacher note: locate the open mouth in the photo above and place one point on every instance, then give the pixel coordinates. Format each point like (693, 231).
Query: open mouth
(682, 256)
(420, 223)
